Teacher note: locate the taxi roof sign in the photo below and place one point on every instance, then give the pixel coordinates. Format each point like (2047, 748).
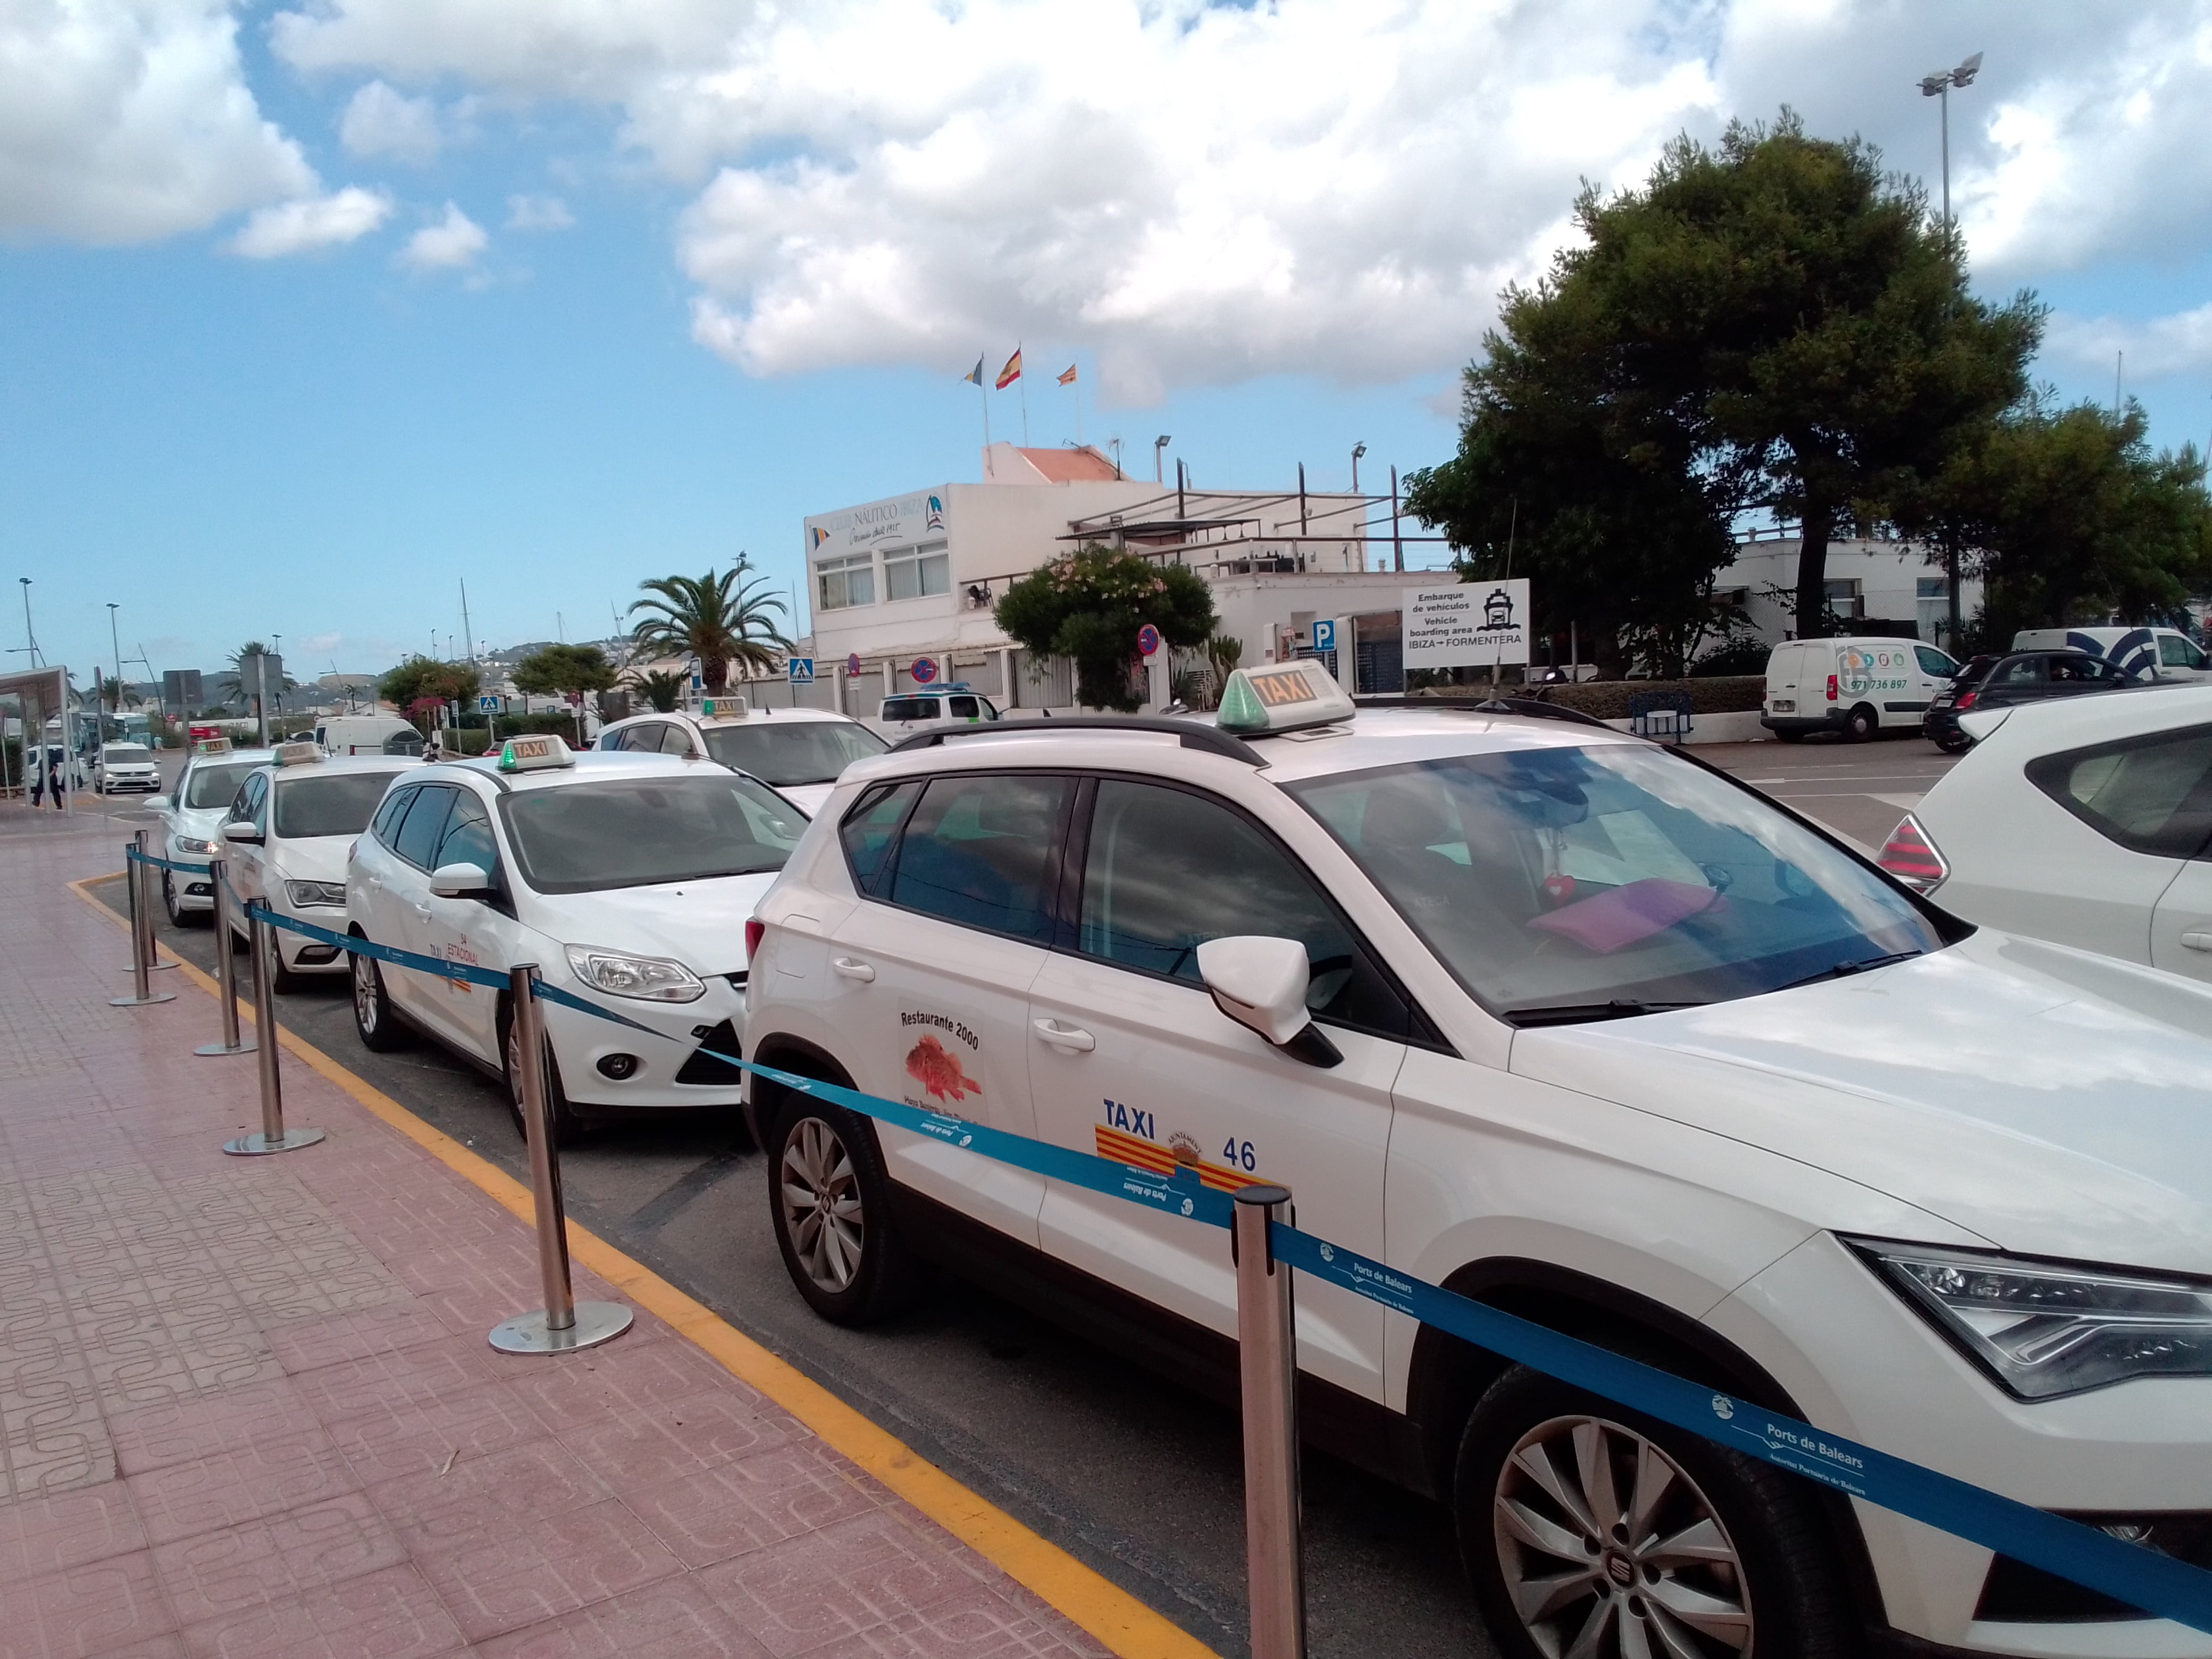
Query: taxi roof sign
(1284, 696)
(304, 753)
(538, 752)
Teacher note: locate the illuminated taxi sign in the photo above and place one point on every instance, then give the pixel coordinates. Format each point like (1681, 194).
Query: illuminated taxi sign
(1282, 697)
(211, 746)
(540, 751)
(305, 752)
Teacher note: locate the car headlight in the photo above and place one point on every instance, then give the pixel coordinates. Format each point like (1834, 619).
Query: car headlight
(2051, 1327)
(647, 979)
(194, 844)
(305, 893)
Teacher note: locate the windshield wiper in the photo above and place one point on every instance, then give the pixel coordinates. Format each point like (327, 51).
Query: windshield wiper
(1845, 969)
(1578, 1013)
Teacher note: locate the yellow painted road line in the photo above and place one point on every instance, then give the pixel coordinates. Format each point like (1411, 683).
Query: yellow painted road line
(1090, 1601)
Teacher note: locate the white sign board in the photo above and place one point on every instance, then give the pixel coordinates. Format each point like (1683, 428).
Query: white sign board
(1470, 624)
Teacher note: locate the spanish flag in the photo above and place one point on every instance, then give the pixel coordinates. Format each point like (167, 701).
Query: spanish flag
(1012, 372)
(1069, 379)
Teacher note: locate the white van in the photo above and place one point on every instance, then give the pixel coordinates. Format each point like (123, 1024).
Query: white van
(1855, 686)
(2146, 654)
(363, 734)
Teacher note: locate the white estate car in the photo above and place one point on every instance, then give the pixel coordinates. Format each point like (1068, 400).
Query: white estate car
(2087, 821)
(1563, 1021)
(627, 878)
(118, 767)
(797, 751)
(286, 841)
(191, 814)
(933, 707)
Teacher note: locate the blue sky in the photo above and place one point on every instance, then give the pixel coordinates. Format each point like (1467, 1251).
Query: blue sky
(281, 353)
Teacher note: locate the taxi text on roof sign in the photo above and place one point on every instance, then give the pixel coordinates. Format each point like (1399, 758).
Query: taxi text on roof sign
(535, 753)
(303, 753)
(1283, 697)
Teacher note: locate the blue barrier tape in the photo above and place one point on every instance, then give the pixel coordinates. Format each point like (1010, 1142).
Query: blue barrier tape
(2140, 1576)
(135, 856)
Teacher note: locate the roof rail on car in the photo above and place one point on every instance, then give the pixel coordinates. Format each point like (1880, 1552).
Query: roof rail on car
(1191, 734)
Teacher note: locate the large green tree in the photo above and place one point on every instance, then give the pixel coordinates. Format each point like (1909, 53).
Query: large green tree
(421, 677)
(1088, 606)
(558, 670)
(719, 619)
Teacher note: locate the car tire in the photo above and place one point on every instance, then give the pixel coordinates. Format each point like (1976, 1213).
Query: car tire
(179, 916)
(1532, 1442)
(1957, 745)
(830, 1201)
(281, 980)
(1862, 725)
(374, 1019)
(566, 1124)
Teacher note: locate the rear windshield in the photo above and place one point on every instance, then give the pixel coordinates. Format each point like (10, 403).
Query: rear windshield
(911, 708)
(584, 838)
(792, 752)
(336, 803)
(214, 786)
(128, 752)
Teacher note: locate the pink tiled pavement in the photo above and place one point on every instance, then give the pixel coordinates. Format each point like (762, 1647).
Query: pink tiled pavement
(248, 1408)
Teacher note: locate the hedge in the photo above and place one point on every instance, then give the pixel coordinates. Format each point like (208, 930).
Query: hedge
(1609, 699)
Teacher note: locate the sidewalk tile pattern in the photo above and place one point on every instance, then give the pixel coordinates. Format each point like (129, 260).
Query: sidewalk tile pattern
(247, 1407)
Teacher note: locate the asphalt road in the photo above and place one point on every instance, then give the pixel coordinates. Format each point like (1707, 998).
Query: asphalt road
(1133, 1475)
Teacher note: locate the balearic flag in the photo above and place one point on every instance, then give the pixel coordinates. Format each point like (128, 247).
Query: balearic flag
(974, 376)
(1012, 372)
(1069, 379)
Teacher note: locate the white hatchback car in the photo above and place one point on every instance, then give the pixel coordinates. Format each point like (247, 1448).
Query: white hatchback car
(799, 752)
(627, 878)
(2087, 821)
(1587, 1030)
(285, 843)
(192, 819)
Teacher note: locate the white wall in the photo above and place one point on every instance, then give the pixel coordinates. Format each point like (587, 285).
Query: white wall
(1888, 575)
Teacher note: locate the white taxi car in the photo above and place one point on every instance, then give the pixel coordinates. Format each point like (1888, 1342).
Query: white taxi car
(2087, 821)
(797, 751)
(285, 842)
(1567, 1023)
(627, 878)
(118, 768)
(192, 817)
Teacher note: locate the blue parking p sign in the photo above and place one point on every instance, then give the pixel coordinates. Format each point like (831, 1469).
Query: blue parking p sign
(1324, 635)
(801, 670)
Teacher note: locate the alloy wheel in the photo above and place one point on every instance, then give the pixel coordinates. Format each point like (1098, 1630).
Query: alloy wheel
(367, 1004)
(822, 1208)
(1610, 1551)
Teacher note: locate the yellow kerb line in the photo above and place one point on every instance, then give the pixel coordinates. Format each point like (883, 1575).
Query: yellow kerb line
(1090, 1601)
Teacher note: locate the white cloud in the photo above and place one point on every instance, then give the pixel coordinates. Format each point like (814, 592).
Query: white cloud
(318, 643)
(538, 213)
(2180, 343)
(129, 120)
(451, 244)
(312, 222)
(381, 121)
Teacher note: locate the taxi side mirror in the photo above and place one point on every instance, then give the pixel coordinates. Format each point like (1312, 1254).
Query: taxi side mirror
(241, 832)
(159, 803)
(461, 881)
(1260, 983)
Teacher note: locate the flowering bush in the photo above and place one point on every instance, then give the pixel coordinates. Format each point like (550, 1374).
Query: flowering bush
(1088, 605)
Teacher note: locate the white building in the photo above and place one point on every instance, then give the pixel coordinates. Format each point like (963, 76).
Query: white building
(1868, 581)
(912, 579)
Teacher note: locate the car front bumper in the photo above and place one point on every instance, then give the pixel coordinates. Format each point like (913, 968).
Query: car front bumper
(669, 1073)
(193, 892)
(302, 955)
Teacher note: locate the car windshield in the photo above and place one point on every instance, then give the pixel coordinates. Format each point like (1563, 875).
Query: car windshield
(1562, 883)
(335, 803)
(634, 832)
(792, 752)
(214, 786)
(129, 754)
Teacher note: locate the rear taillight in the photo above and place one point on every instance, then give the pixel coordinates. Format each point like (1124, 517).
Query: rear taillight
(1831, 688)
(1910, 856)
(754, 928)
(1965, 702)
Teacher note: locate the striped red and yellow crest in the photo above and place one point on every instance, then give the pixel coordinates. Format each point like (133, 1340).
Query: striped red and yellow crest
(1141, 1154)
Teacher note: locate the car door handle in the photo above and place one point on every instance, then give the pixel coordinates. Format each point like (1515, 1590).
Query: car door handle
(846, 968)
(1068, 1037)
(2196, 941)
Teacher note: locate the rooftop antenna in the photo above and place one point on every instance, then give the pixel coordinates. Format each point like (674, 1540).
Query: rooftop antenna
(470, 655)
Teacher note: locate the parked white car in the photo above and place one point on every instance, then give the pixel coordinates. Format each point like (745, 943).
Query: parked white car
(797, 751)
(1562, 1020)
(2087, 821)
(286, 841)
(1853, 687)
(367, 734)
(192, 817)
(625, 877)
(2149, 654)
(125, 768)
(926, 710)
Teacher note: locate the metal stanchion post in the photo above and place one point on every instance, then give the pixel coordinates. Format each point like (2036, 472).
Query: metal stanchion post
(274, 1136)
(226, 973)
(1267, 1342)
(142, 931)
(147, 908)
(563, 1323)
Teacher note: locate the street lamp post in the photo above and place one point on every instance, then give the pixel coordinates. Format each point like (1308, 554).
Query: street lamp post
(1939, 85)
(115, 640)
(1159, 444)
(1358, 450)
(30, 638)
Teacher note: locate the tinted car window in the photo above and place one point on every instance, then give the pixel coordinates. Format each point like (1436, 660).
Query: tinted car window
(674, 740)
(2150, 794)
(962, 709)
(246, 807)
(425, 822)
(212, 785)
(2174, 652)
(1933, 661)
(638, 832)
(2020, 670)
(340, 803)
(468, 837)
(868, 829)
(2079, 671)
(385, 824)
(909, 708)
(979, 851)
(1168, 870)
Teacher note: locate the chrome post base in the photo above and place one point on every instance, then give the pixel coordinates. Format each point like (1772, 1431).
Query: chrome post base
(141, 1002)
(596, 1322)
(214, 1050)
(257, 1145)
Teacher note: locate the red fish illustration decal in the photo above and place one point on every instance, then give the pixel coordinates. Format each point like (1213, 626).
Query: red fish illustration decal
(934, 1067)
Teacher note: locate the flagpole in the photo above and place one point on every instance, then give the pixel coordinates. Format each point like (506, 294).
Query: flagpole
(1024, 388)
(984, 392)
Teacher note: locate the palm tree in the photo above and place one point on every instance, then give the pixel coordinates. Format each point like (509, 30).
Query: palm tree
(718, 619)
(663, 688)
